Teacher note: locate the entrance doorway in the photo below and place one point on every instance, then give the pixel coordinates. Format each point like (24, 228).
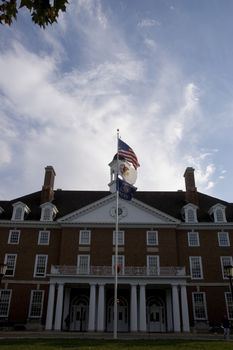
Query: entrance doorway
(156, 315)
(79, 314)
(122, 315)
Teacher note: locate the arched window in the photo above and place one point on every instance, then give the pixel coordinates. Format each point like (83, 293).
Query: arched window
(19, 210)
(18, 213)
(189, 213)
(48, 212)
(218, 213)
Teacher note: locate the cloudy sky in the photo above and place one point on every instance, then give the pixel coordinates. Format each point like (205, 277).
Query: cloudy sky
(159, 70)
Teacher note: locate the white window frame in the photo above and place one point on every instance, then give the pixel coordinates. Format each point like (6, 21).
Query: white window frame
(120, 264)
(120, 236)
(83, 268)
(35, 304)
(18, 213)
(85, 237)
(153, 267)
(229, 305)
(220, 214)
(193, 269)
(5, 304)
(37, 273)
(19, 210)
(202, 305)
(193, 239)
(187, 209)
(225, 261)
(12, 266)
(223, 241)
(48, 212)
(14, 237)
(215, 210)
(41, 239)
(152, 238)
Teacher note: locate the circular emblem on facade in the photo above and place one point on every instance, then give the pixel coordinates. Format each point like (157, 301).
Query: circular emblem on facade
(122, 212)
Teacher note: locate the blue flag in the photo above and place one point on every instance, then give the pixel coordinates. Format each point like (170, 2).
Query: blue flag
(126, 191)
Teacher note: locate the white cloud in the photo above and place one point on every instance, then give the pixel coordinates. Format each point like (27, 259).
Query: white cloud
(150, 43)
(5, 154)
(148, 22)
(69, 118)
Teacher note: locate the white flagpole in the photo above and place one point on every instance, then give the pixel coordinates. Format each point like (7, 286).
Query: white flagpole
(116, 248)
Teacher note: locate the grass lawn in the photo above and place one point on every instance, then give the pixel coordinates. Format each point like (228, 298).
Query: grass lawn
(77, 344)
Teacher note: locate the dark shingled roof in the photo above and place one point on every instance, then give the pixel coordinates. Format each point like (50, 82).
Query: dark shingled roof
(66, 202)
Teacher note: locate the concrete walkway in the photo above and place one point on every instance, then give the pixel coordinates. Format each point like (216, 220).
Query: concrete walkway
(120, 336)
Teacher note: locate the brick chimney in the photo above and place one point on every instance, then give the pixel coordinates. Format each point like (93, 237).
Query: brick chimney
(191, 190)
(47, 193)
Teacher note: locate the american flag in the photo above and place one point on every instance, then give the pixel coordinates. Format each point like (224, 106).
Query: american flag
(127, 153)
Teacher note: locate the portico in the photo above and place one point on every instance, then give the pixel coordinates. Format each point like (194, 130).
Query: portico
(144, 304)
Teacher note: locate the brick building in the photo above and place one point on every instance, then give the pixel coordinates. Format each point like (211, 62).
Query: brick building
(59, 248)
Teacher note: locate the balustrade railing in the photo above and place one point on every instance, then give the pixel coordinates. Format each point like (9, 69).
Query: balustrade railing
(122, 271)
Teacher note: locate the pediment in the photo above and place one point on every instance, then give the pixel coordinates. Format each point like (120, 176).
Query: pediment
(130, 212)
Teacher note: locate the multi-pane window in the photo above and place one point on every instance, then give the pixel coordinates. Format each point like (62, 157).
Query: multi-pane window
(83, 264)
(19, 210)
(14, 236)
(191, 215)
(10, 261)
(36, 303)
(193, 239)
(152, 237)
(152, 264)
(219, 215)
(229, 305)
(47, 214)
(223, 239)
(121, 237)
(225, 261)
(189, 212)
(18, 214)
(199, 306)
(40, 265)
(85, 237)
(43, 237)
(5, 298)
(195, 267)
(120, 264)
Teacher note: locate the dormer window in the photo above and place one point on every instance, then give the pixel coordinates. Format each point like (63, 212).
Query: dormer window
(48, 212)
(1, 210)
(19, 210)
(218, 213)
(189, 212)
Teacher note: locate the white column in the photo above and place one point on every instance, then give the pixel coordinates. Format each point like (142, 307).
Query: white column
(184, 310)
(50, 307)
(91, 319)
(133, 309)
(176, 308)
(169, 310)
(142, 308)
(59, 305)
(101, 309)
